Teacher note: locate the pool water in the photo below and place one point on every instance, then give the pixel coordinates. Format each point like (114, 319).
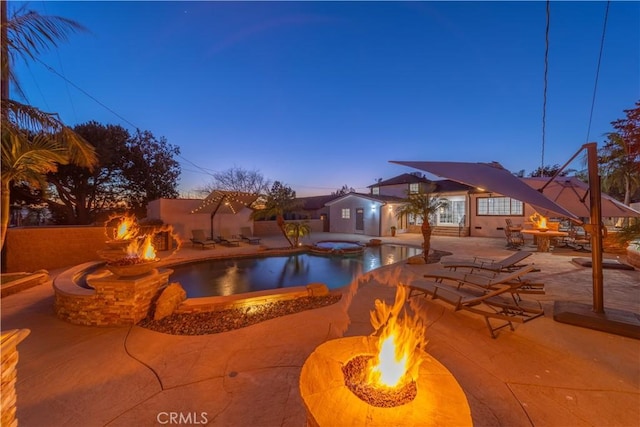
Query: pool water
(239, 275)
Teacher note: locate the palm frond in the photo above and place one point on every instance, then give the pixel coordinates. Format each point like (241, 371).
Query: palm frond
(29, 159)
(24, 119)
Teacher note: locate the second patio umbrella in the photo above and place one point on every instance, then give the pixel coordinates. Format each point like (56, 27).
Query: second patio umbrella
(573, 195)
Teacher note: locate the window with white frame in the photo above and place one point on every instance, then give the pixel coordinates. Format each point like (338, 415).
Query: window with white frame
(499, 206)
(375, 191)
(414, 187)
(346, 213)
(453, 212)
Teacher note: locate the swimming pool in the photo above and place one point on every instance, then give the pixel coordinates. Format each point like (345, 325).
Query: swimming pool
(239, 275)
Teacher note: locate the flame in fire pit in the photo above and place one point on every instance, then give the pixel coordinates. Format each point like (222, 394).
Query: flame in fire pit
(144, 251)
(401, 339)
(538, 221)
(126, 228)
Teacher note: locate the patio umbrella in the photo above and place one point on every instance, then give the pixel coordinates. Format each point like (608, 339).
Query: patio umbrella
(573, 195)
(220, 201)
(490, 177)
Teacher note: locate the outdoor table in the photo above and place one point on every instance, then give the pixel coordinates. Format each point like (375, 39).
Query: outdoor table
(543, 238)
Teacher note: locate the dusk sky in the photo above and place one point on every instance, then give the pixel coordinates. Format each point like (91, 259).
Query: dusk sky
(322, 94)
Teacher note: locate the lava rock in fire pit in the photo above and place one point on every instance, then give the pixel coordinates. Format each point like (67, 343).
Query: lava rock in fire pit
(355, 378)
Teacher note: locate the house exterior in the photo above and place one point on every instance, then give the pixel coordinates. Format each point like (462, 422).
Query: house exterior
(375, 213)
(363, 214)
(469, 211)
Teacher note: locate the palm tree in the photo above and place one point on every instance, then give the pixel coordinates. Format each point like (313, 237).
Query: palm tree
(33, 142)
(280, 200)
(296, 230)
(422, 205)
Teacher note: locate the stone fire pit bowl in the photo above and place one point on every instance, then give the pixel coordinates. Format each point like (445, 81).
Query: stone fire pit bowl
(439, 401)
(132, 269)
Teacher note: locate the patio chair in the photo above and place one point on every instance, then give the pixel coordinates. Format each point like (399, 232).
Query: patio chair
(578, 241)
(247, 236)
(520, 281)
(509, 263)
(515, 238)
(228, 239)
(200, 238)
(512, 226)
(489, 304)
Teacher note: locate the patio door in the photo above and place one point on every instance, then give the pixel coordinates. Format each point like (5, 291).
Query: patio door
(359, 220)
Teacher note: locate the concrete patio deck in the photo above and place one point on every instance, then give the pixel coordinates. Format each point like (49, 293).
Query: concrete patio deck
(543, 373)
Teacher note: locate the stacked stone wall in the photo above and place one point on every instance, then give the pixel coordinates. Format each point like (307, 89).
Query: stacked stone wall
(9, 362)
(113, 302)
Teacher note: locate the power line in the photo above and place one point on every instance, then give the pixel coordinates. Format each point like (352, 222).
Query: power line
(66, 86)
(544, 92)
(51, 69)
(48, 67)
(595, 85)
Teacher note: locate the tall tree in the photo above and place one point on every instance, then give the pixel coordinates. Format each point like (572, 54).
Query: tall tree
(550, 171)
(279, 200)
(343, 191)
(80, 193)
(33, 142)
(422, 205)
(132, 170)
(238, 179)
(151, 170)
(620, 156)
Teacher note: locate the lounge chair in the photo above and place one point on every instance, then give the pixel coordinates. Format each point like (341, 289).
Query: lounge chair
(247, 236)
(520, 281)
(490, 305)
(515, 238)
(228, 239)
(509, 263)
(199, 238)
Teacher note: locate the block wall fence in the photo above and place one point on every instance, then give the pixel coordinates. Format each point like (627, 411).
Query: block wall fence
(35, 248)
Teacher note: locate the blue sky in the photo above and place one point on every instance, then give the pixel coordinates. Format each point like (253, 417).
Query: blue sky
(322, 94)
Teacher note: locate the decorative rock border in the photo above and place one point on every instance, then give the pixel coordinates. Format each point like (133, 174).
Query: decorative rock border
(8, 348)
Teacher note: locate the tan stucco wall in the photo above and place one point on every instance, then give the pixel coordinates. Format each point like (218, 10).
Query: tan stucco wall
(34, 248)
(177, 213)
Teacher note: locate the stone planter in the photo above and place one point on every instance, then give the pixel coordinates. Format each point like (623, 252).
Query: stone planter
(8, 349)
(633, 255)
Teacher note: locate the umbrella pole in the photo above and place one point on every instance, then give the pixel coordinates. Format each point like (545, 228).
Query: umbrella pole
(595, 211)
(214, 214)
(614, 321)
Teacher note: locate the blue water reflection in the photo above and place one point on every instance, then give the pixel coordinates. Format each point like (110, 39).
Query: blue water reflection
(234, 276)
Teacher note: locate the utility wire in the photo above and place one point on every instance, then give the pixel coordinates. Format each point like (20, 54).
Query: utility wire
(544, 91)
(48, 67)
(595, 85)
(66, 86)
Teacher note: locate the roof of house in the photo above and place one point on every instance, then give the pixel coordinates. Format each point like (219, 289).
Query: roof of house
(377, 198)
(316, 202)
(442, 186)
(405, 178)
(447, 185)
